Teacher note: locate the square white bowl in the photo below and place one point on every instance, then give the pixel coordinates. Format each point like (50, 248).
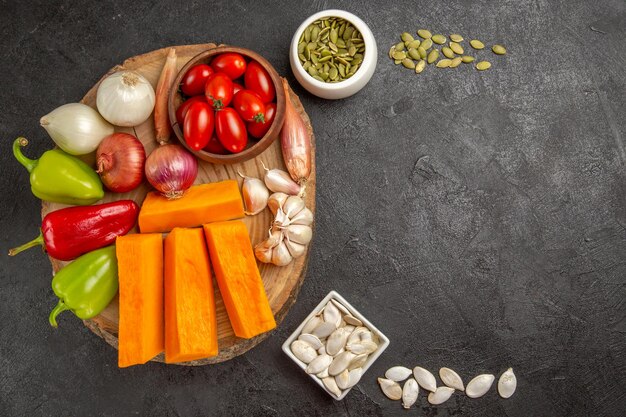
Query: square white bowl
(384, 341)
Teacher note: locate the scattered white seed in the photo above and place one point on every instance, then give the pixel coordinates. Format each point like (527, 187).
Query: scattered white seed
(441, 395)
(507, 383)
(425, 379)
(398, 373)
(410, 391)
(451, 379)
(479, 386)
(390, 388)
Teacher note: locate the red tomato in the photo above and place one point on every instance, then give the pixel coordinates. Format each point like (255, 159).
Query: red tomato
(193, 82)
(259, 81)
(181, 111)
(198, 126)
(249, 106)
(230, 63)
(231, 130)
(258, 130)
(215, 146)
(237, 88)
(219, 90)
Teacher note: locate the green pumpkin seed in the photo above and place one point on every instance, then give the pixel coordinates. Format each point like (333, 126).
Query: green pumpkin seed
(413, 44)
(325, 58)
(311, 45)
(448, 53)
(353, 69)
(422, 52)
(344, 62)
(312, 71)
(318, 78)
(342, 52)
(456, 37)
(425, 34)
(342, 28)
(352, 50)
(324, 75)
(456, 62)
(333, 73)
(326, 52)
(314, 59)
(342, 70)
(301, 47)
(439, 39)
(420, 66)
(408, 63)
(406, 37)
(399, 55)
(307, 33)
(400, 46)
(333, 35)
(332, 47)
(432, 56)
(498, 49)
(483, 65)
(456, 48)
(467, 59)
(341, 43)
(306, 65)
(476, 44)
(348, 33)
(397, 61)
(391, 51)
(315, 33)
(426, 44)
(414, 54)
(303, 57)
(444, 63)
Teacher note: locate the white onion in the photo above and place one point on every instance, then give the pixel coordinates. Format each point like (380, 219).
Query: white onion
(125, 98)
(76, 128)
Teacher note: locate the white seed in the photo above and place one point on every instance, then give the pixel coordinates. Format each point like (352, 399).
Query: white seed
(322, 374)
(425, 379)
(367, 336)
(311, 324)
(332, 314)
(390, 388)
(343, 379)
(303, 351)
(312, 340)
(352, 320)
(451, 379)
(355, 336)
(365, 346)
(354, 377)
(322, 350)
(441, 395)
(340, 306)
(358, 361)
(507, 383)
(336, 341)
(410, 391)
(348, 329)
(318, 364)
(340, 363)
(331, 385)
(398, 373)
(324, 329)
(479, 386)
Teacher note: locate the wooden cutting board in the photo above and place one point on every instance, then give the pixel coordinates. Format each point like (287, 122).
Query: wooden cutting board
(281, 283)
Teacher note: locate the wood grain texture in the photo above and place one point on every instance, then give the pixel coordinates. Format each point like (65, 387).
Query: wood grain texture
(282, 284)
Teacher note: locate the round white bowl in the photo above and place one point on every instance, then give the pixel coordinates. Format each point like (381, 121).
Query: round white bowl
(345, 88)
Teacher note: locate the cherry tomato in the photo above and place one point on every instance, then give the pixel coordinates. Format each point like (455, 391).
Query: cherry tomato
(237, 88)
(215, 146)
(258, 130)
(231, 130)
(194, 80)
(198, 126)
(181, 111)
(259, 81)
(249, 106)
(230, 63)
(219, 90)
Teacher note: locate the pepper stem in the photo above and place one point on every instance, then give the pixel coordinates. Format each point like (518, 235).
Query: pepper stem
(61, 307)
(36, 241)
(18, 144)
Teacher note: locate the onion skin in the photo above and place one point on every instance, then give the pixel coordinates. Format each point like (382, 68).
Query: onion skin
(120, 159)
(171, 170)
(162, 128)
(295, 142)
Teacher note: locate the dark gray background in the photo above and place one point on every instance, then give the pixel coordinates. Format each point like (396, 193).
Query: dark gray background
(478, 218)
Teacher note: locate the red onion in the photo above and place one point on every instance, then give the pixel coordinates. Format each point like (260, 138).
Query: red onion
(171, 170)
(120, 160)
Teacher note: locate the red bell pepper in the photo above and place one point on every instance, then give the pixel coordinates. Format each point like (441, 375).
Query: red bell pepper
(70, 232)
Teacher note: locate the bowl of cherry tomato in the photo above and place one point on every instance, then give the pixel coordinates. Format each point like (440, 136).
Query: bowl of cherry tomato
(227, 105)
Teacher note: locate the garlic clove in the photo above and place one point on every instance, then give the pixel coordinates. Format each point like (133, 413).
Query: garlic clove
(255, 195)
(299, 233)
(295, 249)
(275, 238)
(305, 218)
(276, 201)
(280, 182)
(281, 255)
(281, 218)
(263, 254)
(293, 205)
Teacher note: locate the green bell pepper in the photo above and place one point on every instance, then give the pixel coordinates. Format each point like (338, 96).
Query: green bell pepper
(87, 285)
(60, 177)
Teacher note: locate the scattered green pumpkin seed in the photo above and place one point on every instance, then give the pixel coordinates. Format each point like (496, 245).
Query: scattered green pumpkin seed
(439, 39)
(467, 59)
(413, 44)
(444, 63)
(422, 52)
(498, 49)
(399, 55)
(424, 34)
(420, 66)
(391, 51)
(476, 44)
(406, 37)
(414, 54)
(408, 63)
(447, 52)
(483, 65)
(433, 55)
(400, 46)
(426, 44)
(397, 61)
(456, 62)
(454, 37)
(456, 48)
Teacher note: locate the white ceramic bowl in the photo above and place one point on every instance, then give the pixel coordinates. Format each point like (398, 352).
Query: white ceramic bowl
(383, 340)
(345, 88)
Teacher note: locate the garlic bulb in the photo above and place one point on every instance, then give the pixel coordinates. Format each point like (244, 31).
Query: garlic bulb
(76, 128)
(255, 195)
(125, 98)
